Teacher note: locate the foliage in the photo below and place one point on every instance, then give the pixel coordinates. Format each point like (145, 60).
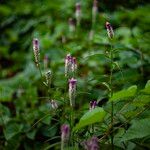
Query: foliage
(27, 119)
(96, 115)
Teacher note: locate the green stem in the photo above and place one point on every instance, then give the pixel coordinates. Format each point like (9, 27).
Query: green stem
(72, 124)
(49, 89)
(78, 30)
(62, 145)
(111, 93)
(39, 67)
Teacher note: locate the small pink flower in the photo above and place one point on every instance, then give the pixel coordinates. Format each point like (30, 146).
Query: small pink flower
(65, 132)
(91, 144)
(68, 64)
(110, 31)
(74, 64)
(72, 91)
(95, 3)
(93, 104)
(36, 50)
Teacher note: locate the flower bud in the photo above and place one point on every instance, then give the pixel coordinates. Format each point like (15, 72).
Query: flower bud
(74, 64)
(78, 13)
(65, 132)
(54, 104)
(71, 25)
(48, 76)
(68, 64)
(91, 144)
(93, 104)
(36, 50)
(110, 31)
(72, 91)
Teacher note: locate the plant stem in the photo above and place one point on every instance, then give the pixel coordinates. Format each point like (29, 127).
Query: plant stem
(62, 145)
(72, 124)
(39, 67)
(111, 93)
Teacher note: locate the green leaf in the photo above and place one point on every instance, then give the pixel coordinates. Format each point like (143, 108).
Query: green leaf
(11, 130)
(130, 92)
(31, 135)
(4, 114)
(147, 88)
(96, 115)
(138, 129)
(47, 120)
(5, 10)
(141, 100)
(6, 93)
(13, 143)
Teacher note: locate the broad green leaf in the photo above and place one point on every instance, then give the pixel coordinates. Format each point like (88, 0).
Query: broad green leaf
(11, 130)
(147, 88)
(96, 115)
(138, 129)
(130, 92)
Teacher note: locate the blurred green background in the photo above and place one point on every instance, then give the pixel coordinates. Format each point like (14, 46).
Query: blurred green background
(23, 100)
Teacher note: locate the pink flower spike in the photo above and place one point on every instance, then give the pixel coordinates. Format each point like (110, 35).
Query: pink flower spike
(65, 132)
(78, 6)
(72, 91)
(74, 64)
(91, 144)
(36, 50)
(93, 104)
(68, 64)
(95, 3)
(110, 31)
(72, 83)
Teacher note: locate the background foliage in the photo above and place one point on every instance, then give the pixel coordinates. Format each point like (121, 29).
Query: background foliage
(27, 120)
